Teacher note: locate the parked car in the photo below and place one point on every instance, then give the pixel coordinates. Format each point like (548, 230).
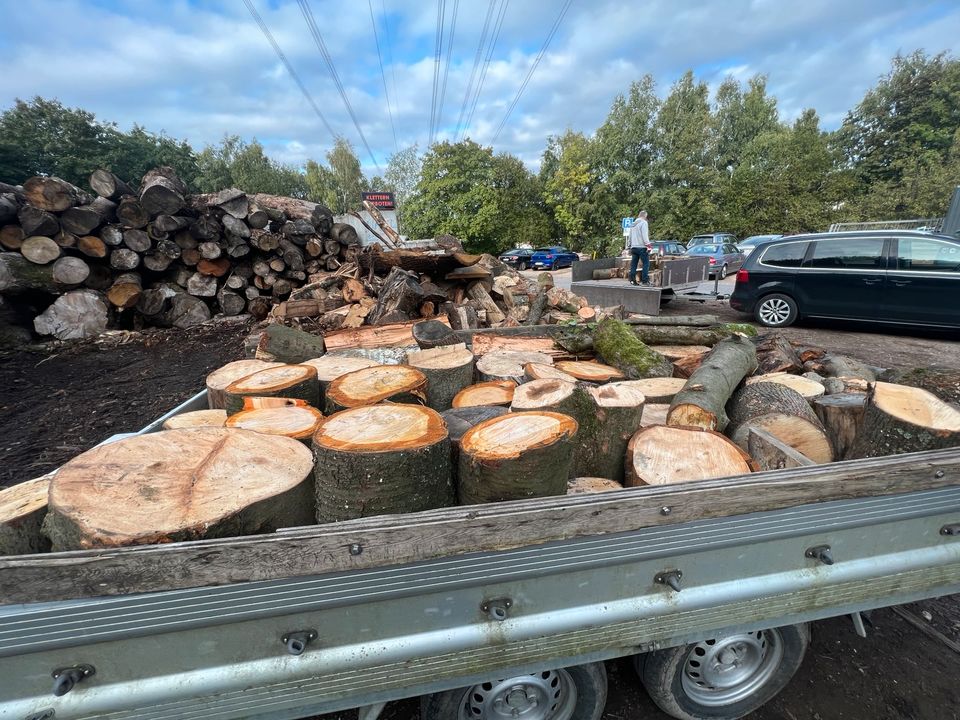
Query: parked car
(668, 247)
(712, 239)
(518, 258)
(748, 245)
(888, 276)
(552, 258)
(724, 258)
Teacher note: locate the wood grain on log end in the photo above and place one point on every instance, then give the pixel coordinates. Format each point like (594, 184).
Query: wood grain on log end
(916, 406)
(197, 418)
(512, 435)
(219, 379)
(657, 390)
(381, 428)
(297, 421)
(809, 389)
(331, 366)
(372, 385)
(22, 510)
(540, 371)
(495, 392)
(665, 455)
(271, 380)
(540, 394)
(621, 394)
(589, 371)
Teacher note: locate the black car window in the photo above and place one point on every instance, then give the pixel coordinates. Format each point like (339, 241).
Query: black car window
(786, 255)
(929, 255)
(848, 254)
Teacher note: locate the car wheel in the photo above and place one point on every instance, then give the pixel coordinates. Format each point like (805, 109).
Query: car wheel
(726, 677)
(574, 693)
(521, 265)
(776, 310)
(723, 272)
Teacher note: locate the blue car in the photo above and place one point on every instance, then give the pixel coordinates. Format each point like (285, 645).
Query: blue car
(552, 258)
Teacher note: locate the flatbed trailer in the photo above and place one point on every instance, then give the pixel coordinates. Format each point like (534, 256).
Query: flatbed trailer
(499, 610)
(678, 275)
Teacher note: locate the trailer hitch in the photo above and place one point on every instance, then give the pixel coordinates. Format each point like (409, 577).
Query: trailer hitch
(821, 553)
(65, 679)
(670, 578)
(298, 640)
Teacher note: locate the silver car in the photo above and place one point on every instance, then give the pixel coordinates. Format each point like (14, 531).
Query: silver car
(724, 258)
(748, 245)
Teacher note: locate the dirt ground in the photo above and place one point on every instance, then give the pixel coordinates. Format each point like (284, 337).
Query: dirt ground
(57, 403)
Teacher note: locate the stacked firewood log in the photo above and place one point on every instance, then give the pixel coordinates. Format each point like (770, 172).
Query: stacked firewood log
(154, 255)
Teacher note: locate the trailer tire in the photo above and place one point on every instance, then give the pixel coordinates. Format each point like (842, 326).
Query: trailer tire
(580, 693)
(766, 661)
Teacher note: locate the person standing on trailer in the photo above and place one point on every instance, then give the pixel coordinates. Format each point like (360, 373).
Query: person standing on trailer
(638, 243)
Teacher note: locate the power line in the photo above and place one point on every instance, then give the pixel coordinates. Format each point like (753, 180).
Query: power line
(438, 51)
(486, 63)
(286, 63)
(473, 70)
(446, 69)
(386, 37)
(383, 76)
(325, 54)
(523, 86)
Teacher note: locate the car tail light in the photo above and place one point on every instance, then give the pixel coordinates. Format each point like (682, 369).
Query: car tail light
(743, 276)
(549, 257)
(713, 261)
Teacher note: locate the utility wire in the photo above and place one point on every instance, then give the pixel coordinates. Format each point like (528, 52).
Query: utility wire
(446, 69)
(325, 54)
(543, 50)
(473, 70)
(389, 44)
(286, 63)
(383, 76)
(438, 51)
(486, 63)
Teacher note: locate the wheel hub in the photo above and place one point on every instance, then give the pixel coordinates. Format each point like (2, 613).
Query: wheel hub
(728, 669)
(774, 311)
(547, 695)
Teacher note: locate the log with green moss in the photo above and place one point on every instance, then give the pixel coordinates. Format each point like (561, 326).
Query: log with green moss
(618, 346)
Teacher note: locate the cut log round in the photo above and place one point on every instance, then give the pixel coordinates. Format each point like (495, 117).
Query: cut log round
(539, 371)
(661, 455)
(70, 271)
(459, 420)
(491, 393)
(287, 381)
(179, 485)
(161, 191)
(901, 419)
(124, 259)
(35, 221)
(107, 185)
(186, 311)
(125, 291)
(783, 413)
(333, 365)
(433, 333)
(22, 510)
(369, 386)
(516, 456)
(196, 418)
(449, 369)
(219, 379)
(112, 235)
(702, 400)
(293, 421)
(200, 285)
(137, 240)
(508, 365)
(594, 372)
(74, 315)
(131, 214)
(603, 437)
(776, 355)
(92, 246)
(657, 390)
(809, 389)
(11, 237)
(40, 250)
(654, 414)
(381, 459)
(53, 194)
(591, 485)
(65, 239)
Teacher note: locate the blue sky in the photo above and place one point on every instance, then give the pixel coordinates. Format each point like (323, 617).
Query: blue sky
(199, 69)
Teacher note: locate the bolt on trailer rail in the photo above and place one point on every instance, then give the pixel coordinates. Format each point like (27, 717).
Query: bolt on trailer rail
(322, 618)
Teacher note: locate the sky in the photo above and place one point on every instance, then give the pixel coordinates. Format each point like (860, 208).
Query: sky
(200, 69)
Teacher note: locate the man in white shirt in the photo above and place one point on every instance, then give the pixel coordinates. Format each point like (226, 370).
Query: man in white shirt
(638, 243)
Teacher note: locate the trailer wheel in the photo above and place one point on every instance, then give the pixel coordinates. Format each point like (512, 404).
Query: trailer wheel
(573, 693)
(726, 677)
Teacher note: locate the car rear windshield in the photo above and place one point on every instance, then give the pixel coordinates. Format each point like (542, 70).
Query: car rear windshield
(701, 238)
(516, 251)
(705, 249)
(546, 250)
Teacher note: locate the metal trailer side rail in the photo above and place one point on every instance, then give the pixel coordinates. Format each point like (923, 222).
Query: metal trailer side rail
(399, 631)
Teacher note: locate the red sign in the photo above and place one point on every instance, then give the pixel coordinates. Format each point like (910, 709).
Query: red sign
(380, 200)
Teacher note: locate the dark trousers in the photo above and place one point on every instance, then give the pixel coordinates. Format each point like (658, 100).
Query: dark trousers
(638, 255)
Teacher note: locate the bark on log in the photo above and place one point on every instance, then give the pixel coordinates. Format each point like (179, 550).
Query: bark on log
(602, 444)
(809, 389)
(82, 220)
(458, 421)
(675, 320)
(125, 291)
(17, 275)
(298, 422)
(657, 390)
(662, 455)
(783, 413)
(231, 304)
(702, 400)
(289, 345)
(107, 185)
(69, 271)
(448, 370)
(709, 336)
(219, 379)
(901, 419)
(196, 418)
(537, 307)
(22, 510)
(285, 381)
(162, 192)
(74, 315)
(461, 317)
(369, 386)
(233, 202)
(53, 194)
(776, 355)
(508, 365)
(333, 365)
(433, 334)
(769, 453)
(131, 214)
(35, 221)
(515, 457)
(8, 208)
(381, 459)
(539, 371)
(942, 382)
(589, 371)
(400, 298)
(206, 227)
(40, 250)
(169, 486)
(476, 291)
(616, 345)
(486, 394)
(65, 239)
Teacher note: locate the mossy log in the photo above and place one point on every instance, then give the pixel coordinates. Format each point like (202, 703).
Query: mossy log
(702, 400)
(901, 419)
(783, 413)
(618, 346)
(449, 369)
(372, 385)
(22, 510)
(293, 421)
(381, 459)
(285, 381)
(663, 455)
(516, 456)
(218, 380)
(178, 485)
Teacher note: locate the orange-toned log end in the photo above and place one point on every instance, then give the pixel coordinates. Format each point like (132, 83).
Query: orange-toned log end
(218, 380)
(589, 371)
(516, 456)
(381, 428)
(691, 416)
(331, 366)
(664, 455)
(297, 421)
(196, 418)
(495, 392)
(292, 381)
(368, 386)
(179, 485)
(22, 510)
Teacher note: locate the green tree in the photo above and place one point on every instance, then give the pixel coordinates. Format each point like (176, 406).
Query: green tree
(402, 175)
(234, 163)
(345, 178)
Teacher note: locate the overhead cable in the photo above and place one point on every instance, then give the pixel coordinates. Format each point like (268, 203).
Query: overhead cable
(498, 25)
(383, 76)
(473, 71)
